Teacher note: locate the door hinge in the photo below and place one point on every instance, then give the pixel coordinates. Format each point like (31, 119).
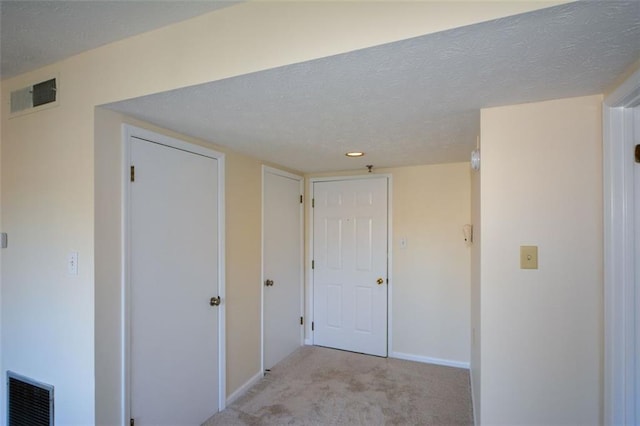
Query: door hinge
(301, 321)
(300, 198)
(132, 422)
(133, 177)
(313, 202)
(313, 264)
(637, 153)
(312, 326)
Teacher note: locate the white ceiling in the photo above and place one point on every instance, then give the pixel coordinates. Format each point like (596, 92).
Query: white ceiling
(415, 101)
(37, 33)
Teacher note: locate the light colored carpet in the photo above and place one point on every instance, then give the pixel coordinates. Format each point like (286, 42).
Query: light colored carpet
(321, 386)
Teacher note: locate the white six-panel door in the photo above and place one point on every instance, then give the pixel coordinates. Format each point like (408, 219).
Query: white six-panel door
(173, 237)
(282, 269)
(350, 264)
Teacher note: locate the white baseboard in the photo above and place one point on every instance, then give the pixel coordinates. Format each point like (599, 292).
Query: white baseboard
(242, 389)
(429, 360)
(308, 342)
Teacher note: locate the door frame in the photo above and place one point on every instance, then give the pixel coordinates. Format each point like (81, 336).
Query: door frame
(310, 256)
(621, 294)
(300, 179)
(129, 131)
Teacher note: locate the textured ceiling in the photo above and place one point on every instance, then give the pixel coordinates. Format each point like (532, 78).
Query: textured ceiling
(411, 102)
(37, 33)
(415, 101)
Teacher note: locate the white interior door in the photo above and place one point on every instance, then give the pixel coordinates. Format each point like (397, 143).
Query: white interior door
(282, 251)
(350, 265)
(173, 239)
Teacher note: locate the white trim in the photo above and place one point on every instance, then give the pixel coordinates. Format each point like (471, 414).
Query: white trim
(222, 284)
(125, 294)
(429, 360)
(309, 258)
(244, 388)
(621, 372)
(473, 398)
(389, 178)
(129, 132)
(627, 94)
(389, 264)
(282, 173)
(300, 179)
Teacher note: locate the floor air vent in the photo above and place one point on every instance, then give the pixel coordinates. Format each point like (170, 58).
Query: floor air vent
(29, 403)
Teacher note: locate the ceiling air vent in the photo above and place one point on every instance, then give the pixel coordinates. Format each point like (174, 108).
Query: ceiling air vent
(29, 98)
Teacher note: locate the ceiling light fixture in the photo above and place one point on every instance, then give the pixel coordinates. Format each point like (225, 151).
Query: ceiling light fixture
(354, 154)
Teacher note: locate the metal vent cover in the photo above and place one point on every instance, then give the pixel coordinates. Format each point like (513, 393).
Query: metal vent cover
(29, 403)
(35, 95)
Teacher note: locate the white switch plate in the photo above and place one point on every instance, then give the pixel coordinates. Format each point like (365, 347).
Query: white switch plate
(72, 263)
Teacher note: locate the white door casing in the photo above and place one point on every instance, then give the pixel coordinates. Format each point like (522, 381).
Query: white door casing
(636, 303)
(174, 339)
(282, 265)
(622, 254)
(350, 264)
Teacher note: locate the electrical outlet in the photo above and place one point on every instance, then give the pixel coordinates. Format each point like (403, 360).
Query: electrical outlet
(72, 263)
(403, 243)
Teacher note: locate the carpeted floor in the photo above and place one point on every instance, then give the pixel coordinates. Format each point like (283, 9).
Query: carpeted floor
(321, 386)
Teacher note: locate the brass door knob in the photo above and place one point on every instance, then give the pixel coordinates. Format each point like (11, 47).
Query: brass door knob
(215, 301)
(380, 281)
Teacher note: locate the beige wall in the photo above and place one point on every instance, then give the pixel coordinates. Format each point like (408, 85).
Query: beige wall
(243, 193)
(49, 169)
(431, 276)
(430, 281)
(47, 210)
(542, 329)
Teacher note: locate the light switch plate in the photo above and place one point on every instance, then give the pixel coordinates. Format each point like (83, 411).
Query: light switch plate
(528, 257)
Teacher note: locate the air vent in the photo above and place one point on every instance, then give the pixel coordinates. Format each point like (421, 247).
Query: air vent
(29, 403)
(31, 97)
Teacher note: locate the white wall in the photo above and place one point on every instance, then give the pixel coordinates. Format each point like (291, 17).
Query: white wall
(542, 338)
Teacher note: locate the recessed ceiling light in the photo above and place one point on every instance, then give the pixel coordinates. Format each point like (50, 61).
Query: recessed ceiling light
(354, 154)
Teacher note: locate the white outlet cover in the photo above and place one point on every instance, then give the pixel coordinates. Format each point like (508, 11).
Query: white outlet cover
(403, 242)
(72, 263)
